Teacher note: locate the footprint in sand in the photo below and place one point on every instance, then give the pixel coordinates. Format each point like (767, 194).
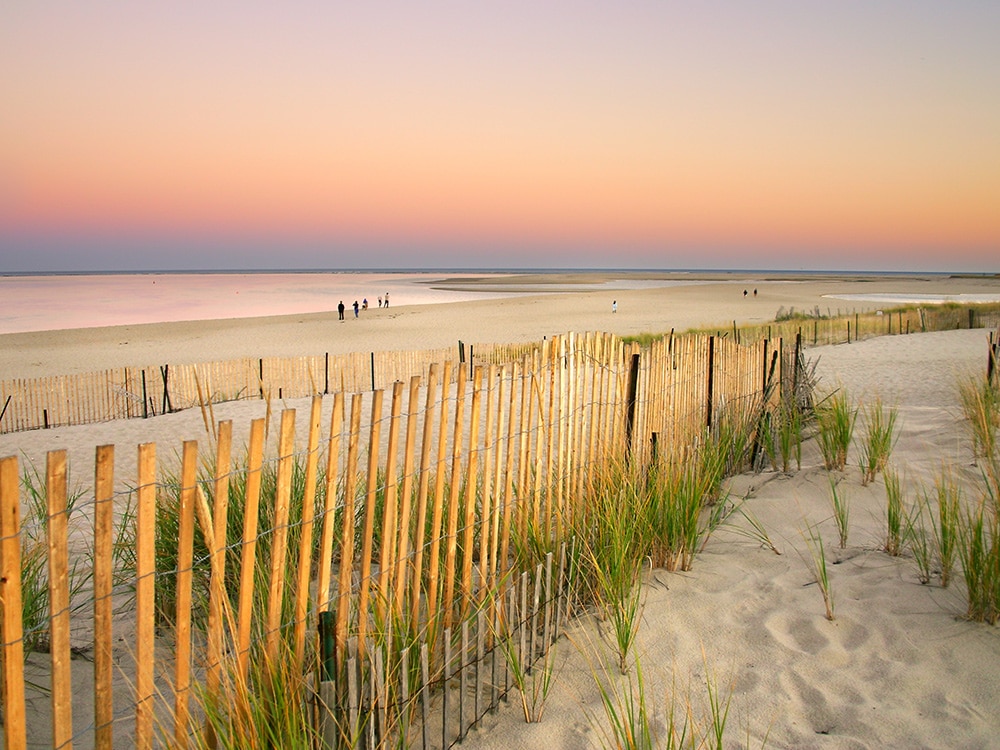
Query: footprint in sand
(797, 633)
(810, 635)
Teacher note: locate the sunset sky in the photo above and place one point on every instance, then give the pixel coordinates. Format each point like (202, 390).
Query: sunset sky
(647, 134)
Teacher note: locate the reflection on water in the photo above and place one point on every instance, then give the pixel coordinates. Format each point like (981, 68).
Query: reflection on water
(42, 303)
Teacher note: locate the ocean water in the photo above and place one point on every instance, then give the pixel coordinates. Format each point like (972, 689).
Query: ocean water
(64, 301)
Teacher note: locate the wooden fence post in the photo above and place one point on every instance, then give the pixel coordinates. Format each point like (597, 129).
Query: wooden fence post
(711, 377)
(12, 658)
(994, 355)
(630, 404)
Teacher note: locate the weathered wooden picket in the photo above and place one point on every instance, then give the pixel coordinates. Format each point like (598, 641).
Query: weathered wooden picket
(397, 536)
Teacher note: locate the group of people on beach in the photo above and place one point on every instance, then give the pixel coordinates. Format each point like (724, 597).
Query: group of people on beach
(382, 302)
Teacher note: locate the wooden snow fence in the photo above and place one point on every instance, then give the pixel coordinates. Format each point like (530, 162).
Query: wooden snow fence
(373, 557)
(128, 393)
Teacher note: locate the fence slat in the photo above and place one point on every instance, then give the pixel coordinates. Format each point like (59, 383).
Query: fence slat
(185, 561)
(367, 537)
(403, 542)
(14, 721)
(347, 539)
(58, 569)
(145, 590)
(279, 538)
(104, 467)
(248, 555)
(215, 536)
(304, 569)
(329, 504)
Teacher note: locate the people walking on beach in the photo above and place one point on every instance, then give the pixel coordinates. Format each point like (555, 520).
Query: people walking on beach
(355, 308)
(340, 309)
(364, 304)
(387, 299)
(614, 306)
(380, 303)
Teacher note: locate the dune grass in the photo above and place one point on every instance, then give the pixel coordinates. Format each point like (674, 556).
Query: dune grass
(816, 561)
(947, 497)
(789, 422)
(979, 554)
(894, 513)
(880, 438)
(268, 709)
(841, 503)
(981, 406)
(835, 418)
(918, 540)
(633, 722)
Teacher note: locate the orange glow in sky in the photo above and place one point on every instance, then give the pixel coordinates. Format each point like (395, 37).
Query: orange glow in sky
(502, 134)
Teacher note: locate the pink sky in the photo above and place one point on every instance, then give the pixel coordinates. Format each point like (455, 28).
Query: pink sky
(643, 134)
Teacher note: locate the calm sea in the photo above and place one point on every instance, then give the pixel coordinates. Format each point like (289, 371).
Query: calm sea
(58, 301)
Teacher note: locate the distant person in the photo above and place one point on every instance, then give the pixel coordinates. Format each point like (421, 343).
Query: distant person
(744, 292)
(364, 304)
(754, 292)
(355, 308)
(614, 306)
(340, 309)
(380, 303)
(387, 299)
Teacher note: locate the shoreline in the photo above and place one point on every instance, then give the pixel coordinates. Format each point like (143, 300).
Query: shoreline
(531, 316)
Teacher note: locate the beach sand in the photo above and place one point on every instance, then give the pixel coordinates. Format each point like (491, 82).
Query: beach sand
(898, 667)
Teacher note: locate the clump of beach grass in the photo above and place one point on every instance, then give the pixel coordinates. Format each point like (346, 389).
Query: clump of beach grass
(788, 425)
(754, 529)
(835, 418)
(633, 723)
(979, 553)
(818, 567)
(895, 513)
(947, 498)
(917, 538)
(616, 538)
(267, 707)
(981, 406)
(532, 678)
(841, 512)
(880, 439)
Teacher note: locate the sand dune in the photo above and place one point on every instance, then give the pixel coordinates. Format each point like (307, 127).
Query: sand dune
(898, 667)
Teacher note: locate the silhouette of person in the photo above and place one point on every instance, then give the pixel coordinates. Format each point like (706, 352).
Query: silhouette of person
(614, 306)
(340, 309)
(355, 308)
